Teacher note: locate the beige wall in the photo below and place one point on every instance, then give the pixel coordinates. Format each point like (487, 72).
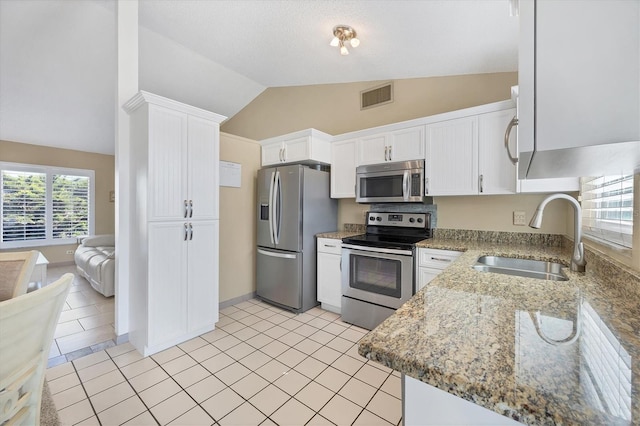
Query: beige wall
(104, 182)
(482, 213)
(237, 219)
(335, 108)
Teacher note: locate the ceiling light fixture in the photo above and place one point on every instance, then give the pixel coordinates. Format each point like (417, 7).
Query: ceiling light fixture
(343, 34)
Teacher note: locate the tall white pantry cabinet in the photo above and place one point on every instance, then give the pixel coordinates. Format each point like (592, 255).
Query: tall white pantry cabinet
(175, 219)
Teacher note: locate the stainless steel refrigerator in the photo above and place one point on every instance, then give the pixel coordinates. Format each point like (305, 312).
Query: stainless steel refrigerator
(294, 205)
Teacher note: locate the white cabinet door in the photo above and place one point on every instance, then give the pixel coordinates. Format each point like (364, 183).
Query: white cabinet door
(296, 150)
(272, 153)
(167, 163)
(452, 157)
(425, 275)
(373, 149)
(203, 275)
(407, 144)
(343, 169)
(202, 177)
(497, 172)
(167, 282)
(578, 75)
(329, 272)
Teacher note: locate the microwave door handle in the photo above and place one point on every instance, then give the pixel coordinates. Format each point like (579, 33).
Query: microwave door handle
(405, 185)
(271, 206)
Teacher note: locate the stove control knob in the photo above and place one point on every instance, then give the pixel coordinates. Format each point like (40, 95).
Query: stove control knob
(379, 219)
(411, 220)
(420, 220)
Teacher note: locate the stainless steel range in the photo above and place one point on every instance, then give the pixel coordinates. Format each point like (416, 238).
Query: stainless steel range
(378, 268)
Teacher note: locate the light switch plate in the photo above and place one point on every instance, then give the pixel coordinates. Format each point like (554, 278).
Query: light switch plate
(519, 218)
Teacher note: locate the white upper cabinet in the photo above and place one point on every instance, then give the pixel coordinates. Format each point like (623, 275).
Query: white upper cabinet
(343, 169)
(579, 83)
(182, 183)
(397, 145)
(452, 157)
(497, 174)
(306, 146)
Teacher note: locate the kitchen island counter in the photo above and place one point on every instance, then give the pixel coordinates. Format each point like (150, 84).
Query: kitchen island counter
(537, 351)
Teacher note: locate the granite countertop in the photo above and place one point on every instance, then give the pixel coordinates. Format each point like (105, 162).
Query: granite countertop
(493, 339)
(338, 235)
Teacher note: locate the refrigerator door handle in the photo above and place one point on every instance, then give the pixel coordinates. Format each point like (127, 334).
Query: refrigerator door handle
(277, 201)
(272, 254)
(271, 206)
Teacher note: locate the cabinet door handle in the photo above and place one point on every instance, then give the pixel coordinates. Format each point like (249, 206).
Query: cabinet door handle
(513, 122)
(280, 155)
(426, 186)
(186, 209)
(284, 154)
(190, 232)
(186, 232)
(390, 153)
(386, 151)
(481, 183)
(190, 208)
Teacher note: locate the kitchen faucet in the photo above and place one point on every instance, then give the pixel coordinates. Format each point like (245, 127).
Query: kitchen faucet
(577, 261)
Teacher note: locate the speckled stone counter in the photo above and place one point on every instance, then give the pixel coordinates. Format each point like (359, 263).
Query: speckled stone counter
(540, 352)
(350, 229)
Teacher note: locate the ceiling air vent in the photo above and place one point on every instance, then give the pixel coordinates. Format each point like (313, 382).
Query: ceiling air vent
(379, 95)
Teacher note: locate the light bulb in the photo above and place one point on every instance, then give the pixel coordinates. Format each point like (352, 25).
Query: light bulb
(355, 42)
(334, 42)
(343, 50)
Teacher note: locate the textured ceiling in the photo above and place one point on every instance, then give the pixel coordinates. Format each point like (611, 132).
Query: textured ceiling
(57, 57)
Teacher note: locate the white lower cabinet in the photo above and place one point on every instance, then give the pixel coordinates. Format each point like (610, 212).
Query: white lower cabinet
(424, 405)
(329, 278)
(183, 268)
(431, 262)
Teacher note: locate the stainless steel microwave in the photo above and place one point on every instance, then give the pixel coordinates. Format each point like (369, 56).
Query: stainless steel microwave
(400, 182)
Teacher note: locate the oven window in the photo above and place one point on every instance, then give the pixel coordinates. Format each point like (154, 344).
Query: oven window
(381, 186)
(376, 275)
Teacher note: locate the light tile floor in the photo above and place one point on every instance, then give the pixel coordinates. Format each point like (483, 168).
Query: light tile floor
(86, 324)
(262, 365)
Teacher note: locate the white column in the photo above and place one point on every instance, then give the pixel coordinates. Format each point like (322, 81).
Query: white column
(126, 87)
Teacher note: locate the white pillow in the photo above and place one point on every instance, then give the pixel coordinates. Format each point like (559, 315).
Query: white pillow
(99, 240)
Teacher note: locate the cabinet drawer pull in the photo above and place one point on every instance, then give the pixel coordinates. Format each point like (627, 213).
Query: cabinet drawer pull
(329, 245)
(440, 259)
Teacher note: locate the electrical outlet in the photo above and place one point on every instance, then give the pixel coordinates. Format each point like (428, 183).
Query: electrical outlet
(69, 251)
(519, 218)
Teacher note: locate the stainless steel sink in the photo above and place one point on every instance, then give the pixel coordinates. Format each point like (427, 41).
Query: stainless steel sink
(521, 267)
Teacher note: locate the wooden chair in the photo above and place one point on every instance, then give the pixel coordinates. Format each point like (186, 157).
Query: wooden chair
(15, 271)
(27, 324)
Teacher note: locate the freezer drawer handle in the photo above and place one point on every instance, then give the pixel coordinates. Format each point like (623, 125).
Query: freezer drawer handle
(272, 254)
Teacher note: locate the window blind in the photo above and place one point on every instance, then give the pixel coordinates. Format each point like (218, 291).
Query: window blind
(23, 206)
(70, 196)
(607, 208)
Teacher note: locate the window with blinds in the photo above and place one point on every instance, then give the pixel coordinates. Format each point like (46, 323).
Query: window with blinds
(44, 205)
(607, 208)
(23, 206)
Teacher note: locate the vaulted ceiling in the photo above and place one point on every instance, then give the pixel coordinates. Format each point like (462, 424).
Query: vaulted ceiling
(58, 57)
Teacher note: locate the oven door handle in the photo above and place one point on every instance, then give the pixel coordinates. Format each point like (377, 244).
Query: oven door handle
(378, 250)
